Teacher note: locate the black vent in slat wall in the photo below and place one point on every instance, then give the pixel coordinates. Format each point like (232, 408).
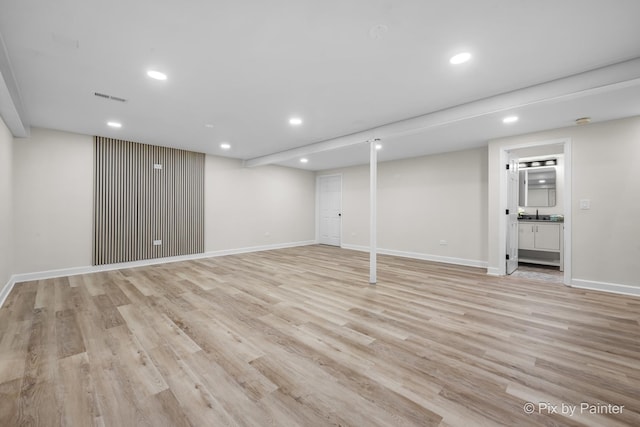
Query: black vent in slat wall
(143, 194)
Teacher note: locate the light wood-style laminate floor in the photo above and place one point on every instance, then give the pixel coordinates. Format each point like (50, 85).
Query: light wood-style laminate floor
(297, 337)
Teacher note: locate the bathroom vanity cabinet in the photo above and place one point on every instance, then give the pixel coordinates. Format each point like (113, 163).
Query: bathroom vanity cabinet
(541, 242)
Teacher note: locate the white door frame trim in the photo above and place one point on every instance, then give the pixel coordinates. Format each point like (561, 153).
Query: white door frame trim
(567, 199)
(317, 239)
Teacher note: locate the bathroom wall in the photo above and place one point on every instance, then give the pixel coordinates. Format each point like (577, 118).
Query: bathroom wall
(545, 153)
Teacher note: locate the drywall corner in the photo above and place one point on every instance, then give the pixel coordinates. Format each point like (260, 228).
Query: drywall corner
(6, 206)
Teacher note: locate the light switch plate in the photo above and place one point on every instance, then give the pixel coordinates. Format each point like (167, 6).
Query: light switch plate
(585, 204)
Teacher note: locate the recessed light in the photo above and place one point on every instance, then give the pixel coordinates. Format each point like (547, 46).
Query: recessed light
(209, 126)
(225, 145)
(304, 160)
(156, 75)
(542, 181)
(114, 124)
(295, 121)
(460, 58)
(378, 146)
(510, 119)
(583, 120)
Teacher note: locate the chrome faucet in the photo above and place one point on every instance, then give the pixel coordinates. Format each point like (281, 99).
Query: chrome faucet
(537, 217)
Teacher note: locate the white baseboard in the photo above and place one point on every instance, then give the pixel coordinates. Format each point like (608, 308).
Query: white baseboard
(606, 287)
(73, 271)
(493, 271)
(6, 290)
(64, 272)
(421, 256)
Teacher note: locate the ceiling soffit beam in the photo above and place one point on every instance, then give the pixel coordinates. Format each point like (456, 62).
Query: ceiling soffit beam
(11, 109)
(616, 76)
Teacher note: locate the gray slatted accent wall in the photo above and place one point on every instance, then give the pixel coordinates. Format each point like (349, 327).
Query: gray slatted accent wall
(136, 203)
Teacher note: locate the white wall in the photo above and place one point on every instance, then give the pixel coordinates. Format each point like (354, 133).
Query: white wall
(6, 206)
(421, 201)
(256, 207)
(606, 238)
(53, 194)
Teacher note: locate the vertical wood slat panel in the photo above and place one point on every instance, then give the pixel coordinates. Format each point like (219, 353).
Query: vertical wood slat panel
(141, 202)
(135, 204)
(147, 219)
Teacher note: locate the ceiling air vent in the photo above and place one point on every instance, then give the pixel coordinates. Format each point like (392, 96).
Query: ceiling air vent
(105, 96)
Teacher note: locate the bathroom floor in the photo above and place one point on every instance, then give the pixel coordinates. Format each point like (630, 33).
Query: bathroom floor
(539, 272)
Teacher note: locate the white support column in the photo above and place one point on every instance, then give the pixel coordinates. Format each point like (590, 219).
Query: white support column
(373, 188)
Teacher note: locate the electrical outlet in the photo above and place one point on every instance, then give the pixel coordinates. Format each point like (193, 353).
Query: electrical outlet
(585, 204)
(157, 242)
(157, 166)
(443, 243)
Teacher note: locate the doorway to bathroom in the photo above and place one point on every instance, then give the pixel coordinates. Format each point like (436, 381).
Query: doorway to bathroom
(536, 189)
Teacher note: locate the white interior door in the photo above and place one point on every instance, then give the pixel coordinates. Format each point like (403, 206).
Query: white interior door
(512, 214)
(330, 207)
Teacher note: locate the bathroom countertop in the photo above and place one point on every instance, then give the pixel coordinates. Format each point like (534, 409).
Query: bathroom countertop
(540, 220)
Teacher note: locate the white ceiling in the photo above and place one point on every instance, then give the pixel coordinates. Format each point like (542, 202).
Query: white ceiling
(247, 67)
